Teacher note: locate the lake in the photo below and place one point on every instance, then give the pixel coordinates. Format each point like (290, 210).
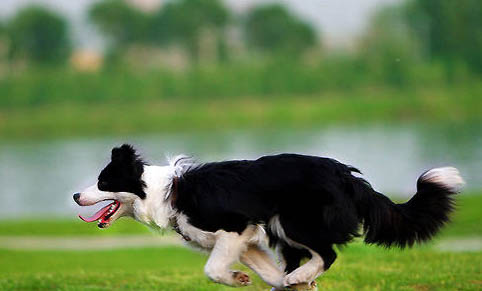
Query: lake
(38, 178)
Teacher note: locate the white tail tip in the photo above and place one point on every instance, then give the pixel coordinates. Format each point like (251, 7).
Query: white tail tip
(447, 177)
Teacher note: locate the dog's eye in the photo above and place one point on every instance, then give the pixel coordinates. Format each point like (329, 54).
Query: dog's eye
(102, 185)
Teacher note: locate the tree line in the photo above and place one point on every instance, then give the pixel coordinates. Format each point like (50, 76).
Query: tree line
(43, 36)
(443, 30)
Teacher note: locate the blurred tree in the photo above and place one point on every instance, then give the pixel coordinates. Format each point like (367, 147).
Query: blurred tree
(185, 21)
(388, 49)
(451, 30)
(121, 23)
(40, 35)
(3, 33)
(3, 45)
(273, 29)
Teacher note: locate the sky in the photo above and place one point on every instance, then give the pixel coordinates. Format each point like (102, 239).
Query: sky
(338, 21)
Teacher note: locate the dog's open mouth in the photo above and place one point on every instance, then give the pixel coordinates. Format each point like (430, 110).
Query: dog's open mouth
(103, 216)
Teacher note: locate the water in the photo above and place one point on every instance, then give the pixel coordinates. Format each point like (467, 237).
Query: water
(38, 178)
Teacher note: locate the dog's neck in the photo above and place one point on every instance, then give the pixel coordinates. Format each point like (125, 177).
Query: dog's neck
(156, 209)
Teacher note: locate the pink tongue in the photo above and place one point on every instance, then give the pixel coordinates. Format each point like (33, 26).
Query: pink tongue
(97, 215)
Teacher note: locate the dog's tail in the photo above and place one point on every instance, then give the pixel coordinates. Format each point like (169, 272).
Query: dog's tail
(388, 224)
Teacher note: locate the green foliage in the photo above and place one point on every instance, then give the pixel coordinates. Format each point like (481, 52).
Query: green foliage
(234, 80)
(185, 21)
(388, 50)
(181, 22)
(119, 22)
(90, 105)
(4, 42)
(40, 35)
(273, 29)
(450, 30)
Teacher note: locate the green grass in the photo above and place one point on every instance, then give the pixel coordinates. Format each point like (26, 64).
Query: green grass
(467, 218)
(372, 105)
(466, 222)
(68, 227)
(358, 268)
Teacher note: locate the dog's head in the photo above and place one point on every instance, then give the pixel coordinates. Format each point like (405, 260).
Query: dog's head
(131, 185)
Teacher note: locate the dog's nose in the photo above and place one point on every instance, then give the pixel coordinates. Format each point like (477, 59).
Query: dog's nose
(77, 197)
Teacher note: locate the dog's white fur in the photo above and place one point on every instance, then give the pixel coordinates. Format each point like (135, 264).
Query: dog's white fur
(260, 259)
(447, 177)
(155, 210)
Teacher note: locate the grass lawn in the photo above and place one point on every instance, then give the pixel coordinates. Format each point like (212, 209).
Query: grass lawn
(359, 267)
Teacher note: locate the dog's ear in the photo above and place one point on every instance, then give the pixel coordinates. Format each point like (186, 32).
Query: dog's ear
(123, 153)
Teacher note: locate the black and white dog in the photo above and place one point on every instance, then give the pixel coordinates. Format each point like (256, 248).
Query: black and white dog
(300, 205)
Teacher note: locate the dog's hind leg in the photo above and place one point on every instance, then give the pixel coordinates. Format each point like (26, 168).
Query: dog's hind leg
(291, 256)
(227, 250)
(306, 273)
(321, 259)
(262, 263)
(295, 236)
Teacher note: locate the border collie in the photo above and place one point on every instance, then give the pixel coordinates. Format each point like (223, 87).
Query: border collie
(299, 205)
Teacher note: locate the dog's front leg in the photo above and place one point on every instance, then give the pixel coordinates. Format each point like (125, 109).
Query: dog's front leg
(226, 251)
(259, 260)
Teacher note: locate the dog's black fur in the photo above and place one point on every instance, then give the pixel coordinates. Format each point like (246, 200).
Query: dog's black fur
(319, 201)
(123, 173)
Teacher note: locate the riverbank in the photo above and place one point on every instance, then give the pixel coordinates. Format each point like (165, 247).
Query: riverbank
(376, 105)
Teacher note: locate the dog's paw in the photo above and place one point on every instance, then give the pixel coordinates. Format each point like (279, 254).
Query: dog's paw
(295, 278)
(241, 279)
(304, 286)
